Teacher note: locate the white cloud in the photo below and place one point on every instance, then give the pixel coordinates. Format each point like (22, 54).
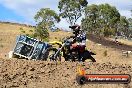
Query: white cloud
(28, 8)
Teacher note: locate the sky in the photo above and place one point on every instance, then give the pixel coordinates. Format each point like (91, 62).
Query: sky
(23, 11)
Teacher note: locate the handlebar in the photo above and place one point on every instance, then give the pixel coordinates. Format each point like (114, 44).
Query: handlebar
(72, 27)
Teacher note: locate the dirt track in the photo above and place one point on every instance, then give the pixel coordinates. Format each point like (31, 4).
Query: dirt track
(112, 44)
(40, 74)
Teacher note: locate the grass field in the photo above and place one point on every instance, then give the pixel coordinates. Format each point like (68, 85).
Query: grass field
(8, 35)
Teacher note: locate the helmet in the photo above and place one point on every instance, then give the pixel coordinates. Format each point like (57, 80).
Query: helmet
(75, 28)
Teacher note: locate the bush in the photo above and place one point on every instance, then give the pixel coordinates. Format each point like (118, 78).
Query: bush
(30, 30)
(105, 53)
(55, 37)
(23, 31)
(27, 34)
(46, 40)
(21, 28)
(108, 32)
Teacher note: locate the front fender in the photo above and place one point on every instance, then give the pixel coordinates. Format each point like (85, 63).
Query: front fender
(56, 42)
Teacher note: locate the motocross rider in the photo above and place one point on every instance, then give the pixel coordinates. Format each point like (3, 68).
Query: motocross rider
(79, 42)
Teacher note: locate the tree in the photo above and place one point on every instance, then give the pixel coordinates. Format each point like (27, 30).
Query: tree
(91, 15)
(71, 10)
(130, 22)
(109, 14)
(130, 27)
(123, 26)
(46, 19)
(101, 19)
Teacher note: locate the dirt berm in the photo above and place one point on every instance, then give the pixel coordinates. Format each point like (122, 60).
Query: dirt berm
(41, 74)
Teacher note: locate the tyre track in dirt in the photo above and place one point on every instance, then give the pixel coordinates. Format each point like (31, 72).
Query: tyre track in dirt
(109, 43)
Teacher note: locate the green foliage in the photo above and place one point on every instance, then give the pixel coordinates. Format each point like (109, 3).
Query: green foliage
(30, 33)
(30, 30)
(105, 19)
(23, 31)
(27, 35)
(109, 15)
(46, 19)
(130, 23)
(130, 27)
(71, 10)
(123, 25)
(101, 17)
(21, 28)
(90, 21)
(57, 30)
(41, 33)
(108, 32)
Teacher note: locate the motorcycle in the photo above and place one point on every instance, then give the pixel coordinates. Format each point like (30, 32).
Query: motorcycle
(69, 54)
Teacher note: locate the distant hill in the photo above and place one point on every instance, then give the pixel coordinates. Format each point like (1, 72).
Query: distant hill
(9, 31)
(26, 25)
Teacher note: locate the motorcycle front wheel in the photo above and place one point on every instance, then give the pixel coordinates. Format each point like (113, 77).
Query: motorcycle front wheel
(52, 52)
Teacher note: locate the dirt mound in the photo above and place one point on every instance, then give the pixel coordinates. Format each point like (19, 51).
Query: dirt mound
(112, 44)
(42, 74)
